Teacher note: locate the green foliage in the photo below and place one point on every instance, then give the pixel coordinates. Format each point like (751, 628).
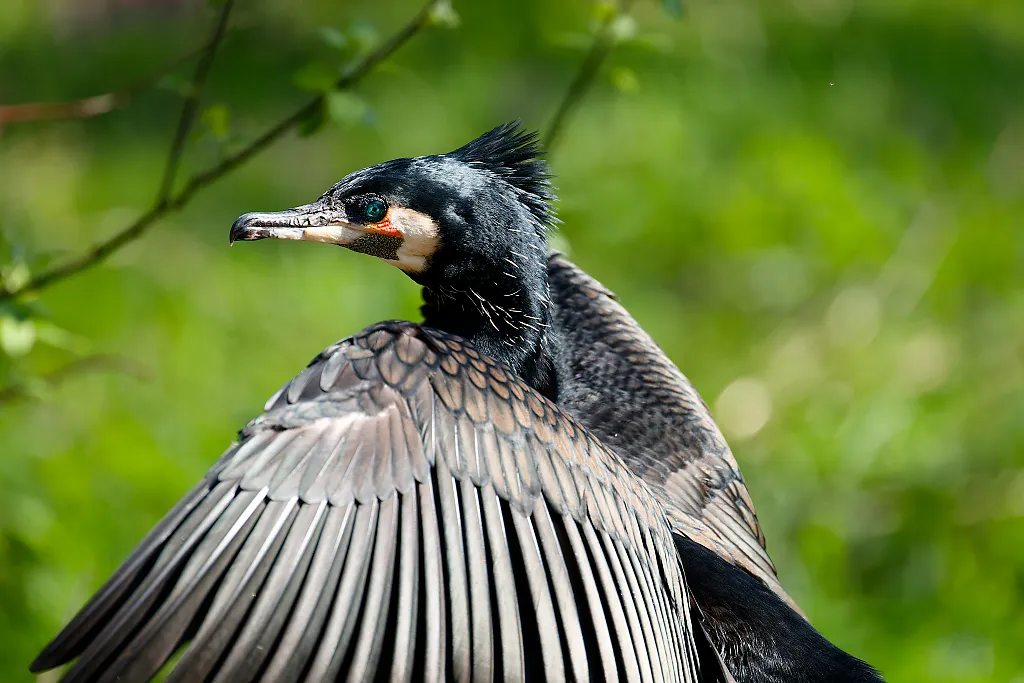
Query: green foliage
(444, 15)
(815, 207)
(673, 8)
(217, 120)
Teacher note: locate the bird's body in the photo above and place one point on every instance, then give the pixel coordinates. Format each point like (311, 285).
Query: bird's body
(523, 487)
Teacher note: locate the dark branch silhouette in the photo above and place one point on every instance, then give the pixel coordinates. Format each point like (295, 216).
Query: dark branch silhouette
(191, 105)
(604, 41)
(95, 105)
(169, 202)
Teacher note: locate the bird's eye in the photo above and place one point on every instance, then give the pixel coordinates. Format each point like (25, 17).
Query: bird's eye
(375, 210)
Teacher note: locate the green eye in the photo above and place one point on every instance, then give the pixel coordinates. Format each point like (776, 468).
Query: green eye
(375, 210)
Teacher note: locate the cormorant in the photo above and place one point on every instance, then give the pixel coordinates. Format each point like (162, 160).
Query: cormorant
(521, 487)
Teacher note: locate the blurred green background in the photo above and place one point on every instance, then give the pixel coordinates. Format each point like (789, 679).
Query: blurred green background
(815, 206)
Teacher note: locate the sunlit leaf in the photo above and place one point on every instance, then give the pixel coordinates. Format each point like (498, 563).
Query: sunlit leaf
(17, 337)
(316, 76)
(605, 10)
(624, 79)
(58, 337)
(14, 275)
(345, 107)
(444, 15)
(332, 37)
(217, 118)
(364, 33)
(623, 28)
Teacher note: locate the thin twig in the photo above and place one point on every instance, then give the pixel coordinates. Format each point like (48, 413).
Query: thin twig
(191, 105)
(96, 104)
(81, 366)
(604, 41)
(204, 178)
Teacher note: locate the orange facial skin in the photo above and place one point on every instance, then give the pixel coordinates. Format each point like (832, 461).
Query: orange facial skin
(384, 227)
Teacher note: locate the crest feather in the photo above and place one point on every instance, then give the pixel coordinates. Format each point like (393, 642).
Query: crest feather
(515, 155)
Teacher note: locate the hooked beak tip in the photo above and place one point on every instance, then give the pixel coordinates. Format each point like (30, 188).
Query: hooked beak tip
(284, 225)
(246, 228)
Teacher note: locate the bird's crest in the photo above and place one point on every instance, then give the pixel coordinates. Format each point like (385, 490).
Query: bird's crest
(515, 155)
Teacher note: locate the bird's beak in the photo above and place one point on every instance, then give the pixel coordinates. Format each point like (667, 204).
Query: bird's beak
(310, 223)
(404, 238)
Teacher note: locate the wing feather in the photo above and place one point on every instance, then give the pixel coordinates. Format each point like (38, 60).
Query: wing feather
(562, 587)
(434, 620)
(241, 583)
(366, 654)
(479, 579)
(257, 639)
(451, 520)
(510, 632)
(405, 510)
(630, 646)
(408, 590)
(537, 578)
(302, 632)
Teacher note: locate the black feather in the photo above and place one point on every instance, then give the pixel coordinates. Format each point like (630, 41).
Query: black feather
(761, 639)
(515, 155)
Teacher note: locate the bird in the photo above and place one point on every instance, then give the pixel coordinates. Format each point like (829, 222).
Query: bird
(522, 486)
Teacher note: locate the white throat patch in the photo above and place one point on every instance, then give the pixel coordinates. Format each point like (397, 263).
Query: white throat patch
(420, 238)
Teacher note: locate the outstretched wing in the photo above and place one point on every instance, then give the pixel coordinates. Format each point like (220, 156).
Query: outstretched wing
(645, 409)
(404, 510)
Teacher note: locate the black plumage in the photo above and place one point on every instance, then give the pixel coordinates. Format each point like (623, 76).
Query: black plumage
(623, 387)
(521, 488)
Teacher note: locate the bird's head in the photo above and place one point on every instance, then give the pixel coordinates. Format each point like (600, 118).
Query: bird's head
(470, 226)
(445, 219)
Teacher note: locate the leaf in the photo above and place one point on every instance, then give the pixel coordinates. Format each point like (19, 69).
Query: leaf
(605, 10)
(316, 76)
(332, 37)
(217, 118)
(312, 124)
(624, 79)
(17, 337)
(345, 107)
(673, 8)
(58, 337)
(622, 28)
(364, 34)
(14, 276)
(444, 15)
(176, 83)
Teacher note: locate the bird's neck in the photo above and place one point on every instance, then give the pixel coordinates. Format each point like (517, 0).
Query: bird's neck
(505, 319)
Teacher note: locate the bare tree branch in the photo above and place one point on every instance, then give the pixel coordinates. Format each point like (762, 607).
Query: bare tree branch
(74, 109)
(174, 202)
(95, 105)
(81, 366)
(604, 40)
(191, 105)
